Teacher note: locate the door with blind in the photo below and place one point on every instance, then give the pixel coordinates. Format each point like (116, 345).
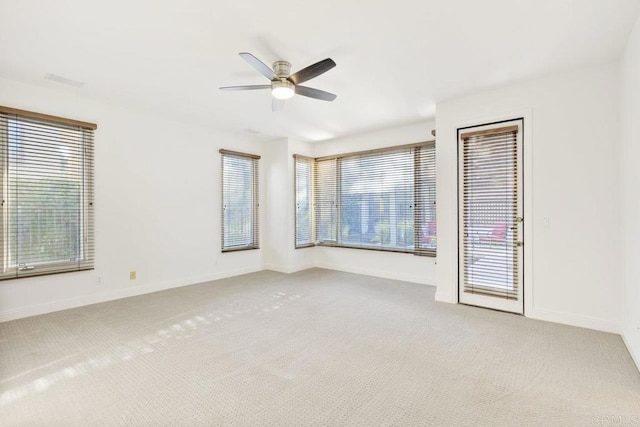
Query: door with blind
(491, 219)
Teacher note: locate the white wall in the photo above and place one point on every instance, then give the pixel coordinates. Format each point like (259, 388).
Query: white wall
(157, 206)
(276, 228)
(398, 266)
(572, 262)
(280, 252)
(630, 154)
(158, 200)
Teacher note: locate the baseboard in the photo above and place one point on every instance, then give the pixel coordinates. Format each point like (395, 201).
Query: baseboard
(576, 320)
(375, 273)
(634, 350)
(278, 268)
(287, 270)
(301, 268)
(445, 297)
(65, 304)
(540, 314)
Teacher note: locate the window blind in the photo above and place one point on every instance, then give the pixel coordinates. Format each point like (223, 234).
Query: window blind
(304, 232)
(326, 206)
(240, 201)
(490, 209)
(379, 199)
(425, 200)
(47, 221)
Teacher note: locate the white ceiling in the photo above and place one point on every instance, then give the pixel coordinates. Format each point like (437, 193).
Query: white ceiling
(396, 59)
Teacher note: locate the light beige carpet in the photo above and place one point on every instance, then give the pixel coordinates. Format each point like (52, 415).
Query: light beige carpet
(313, 348)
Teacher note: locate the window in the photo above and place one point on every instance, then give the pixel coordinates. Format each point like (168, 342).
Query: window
(304, 186)
(380, 199)
(376, 200)
(326, 205)
(47, 194)
(425, 200)
(239, 201)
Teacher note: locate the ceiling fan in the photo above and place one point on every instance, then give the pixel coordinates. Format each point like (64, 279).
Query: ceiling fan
(283, 84)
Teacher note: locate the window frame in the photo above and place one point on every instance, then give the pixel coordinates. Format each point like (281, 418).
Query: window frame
(337, 160)
(86, 223)
(420, 211)
(310, 200)
(255, 202)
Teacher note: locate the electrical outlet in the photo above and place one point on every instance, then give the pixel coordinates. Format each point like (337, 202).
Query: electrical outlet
(132, 275)
(99, 280)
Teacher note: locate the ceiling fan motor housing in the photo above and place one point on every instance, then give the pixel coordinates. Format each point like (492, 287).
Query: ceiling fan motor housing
(282, 69)
(281, 87)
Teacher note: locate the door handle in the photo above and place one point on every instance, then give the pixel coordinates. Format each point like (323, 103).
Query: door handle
(519, 219)
(519, 244)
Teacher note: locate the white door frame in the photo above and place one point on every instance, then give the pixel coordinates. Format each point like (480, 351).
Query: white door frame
(527, 166)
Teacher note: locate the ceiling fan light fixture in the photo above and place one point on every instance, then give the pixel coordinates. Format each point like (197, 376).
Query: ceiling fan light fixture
(282, 89)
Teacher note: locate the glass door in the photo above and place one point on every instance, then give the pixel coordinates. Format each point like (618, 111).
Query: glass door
(490, 216)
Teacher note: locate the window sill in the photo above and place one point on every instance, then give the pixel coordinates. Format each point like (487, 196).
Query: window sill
(308, 245)
(42, 271)
(427, 254)
(244, 248)
(401, 251)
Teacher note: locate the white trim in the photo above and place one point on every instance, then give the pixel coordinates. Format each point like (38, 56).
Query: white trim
(276, 267)
(49, 307)
(445, 297)
(575, 320)
(286, 269)
(634, 356)
(302, 267)
(540, 314)
(527, 115)
(376, 273)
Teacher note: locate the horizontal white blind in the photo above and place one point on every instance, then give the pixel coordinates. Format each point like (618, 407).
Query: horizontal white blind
(380, 199)
(304, 233)
(326, 206)
(47, 196)
(240, 227)
(490, 209)
(377, 200)
(425, 200)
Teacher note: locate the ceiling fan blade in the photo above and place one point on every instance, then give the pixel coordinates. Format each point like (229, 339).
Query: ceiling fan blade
(312, 71)
(258, 65)
(315, 93)
(277, 104)
(253, 87)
